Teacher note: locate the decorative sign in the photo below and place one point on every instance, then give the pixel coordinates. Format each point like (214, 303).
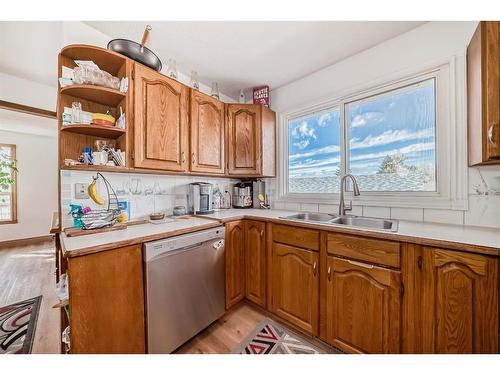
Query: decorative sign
(261, 95)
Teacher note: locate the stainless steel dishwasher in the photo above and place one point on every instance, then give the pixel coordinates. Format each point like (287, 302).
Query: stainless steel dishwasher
(185, 289)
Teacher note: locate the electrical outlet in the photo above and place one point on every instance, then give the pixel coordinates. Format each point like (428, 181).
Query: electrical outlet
(81, 191)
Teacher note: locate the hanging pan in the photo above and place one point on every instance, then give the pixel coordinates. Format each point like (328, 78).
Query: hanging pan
(136, 51)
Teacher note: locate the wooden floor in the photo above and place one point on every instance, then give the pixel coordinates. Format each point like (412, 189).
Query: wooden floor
(27, 272)
(225, 334)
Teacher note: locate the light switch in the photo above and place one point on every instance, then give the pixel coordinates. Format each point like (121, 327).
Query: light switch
(81, 191)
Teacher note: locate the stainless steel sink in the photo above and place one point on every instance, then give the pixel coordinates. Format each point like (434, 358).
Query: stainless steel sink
(311, 216)
(366, 222)
(348, 221)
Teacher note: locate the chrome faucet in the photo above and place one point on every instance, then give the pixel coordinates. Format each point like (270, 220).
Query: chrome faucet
(342, 206)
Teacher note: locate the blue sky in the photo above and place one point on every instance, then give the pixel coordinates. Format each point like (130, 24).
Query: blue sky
(400, 122)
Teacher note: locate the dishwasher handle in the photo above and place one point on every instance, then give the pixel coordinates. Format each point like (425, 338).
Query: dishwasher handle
(163, 253)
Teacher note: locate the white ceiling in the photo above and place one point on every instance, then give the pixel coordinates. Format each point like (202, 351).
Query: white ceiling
(245, 54)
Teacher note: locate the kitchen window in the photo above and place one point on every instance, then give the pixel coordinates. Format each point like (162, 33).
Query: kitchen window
(8, 191)
(396, 139)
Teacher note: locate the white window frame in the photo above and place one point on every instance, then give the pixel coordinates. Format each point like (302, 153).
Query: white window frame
(451, 149)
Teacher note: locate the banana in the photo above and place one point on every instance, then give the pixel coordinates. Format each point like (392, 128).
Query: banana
(92, 191)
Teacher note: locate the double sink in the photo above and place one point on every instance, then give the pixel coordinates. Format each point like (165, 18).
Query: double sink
(348, 221)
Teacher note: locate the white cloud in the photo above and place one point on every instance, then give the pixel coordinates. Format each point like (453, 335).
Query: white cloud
(324, 118)
(315, 152)
(390, 136)
(367, 117)
(304, 134)
(417, 147)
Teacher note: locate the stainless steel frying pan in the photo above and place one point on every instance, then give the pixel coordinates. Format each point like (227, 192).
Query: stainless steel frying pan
(136, 51)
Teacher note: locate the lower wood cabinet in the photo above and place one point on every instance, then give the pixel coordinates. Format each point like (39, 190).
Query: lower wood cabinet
(459, 302)
(255, 267)
(107, 302)
(235, 262)
(363, 304)
(295, 285)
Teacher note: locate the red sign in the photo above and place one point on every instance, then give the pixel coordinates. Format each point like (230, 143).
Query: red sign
(261, 95)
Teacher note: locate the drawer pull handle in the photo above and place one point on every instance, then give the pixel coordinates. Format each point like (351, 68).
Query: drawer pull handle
(364, 265)
(314, 268)
(329, 273)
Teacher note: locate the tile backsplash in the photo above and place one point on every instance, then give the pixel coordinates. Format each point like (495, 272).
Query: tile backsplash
(146, 193)
(483, 195)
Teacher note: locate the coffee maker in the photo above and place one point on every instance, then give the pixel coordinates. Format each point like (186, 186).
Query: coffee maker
(242, 195)
(200, 198)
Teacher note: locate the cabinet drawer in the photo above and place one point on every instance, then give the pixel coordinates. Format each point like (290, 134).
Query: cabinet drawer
(300, 237)
(367, 249)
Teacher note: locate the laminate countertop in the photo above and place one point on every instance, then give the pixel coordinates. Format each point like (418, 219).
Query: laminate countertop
(481, 240)
(458, 237)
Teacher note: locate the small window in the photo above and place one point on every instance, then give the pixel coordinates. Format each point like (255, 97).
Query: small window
(392, 139)
(8, 198)
(314, 153)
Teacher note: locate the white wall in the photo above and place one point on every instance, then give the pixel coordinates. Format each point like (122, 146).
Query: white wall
(433, 42)
(36, 152)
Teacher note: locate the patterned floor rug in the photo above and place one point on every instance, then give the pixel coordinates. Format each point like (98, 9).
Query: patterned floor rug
(271, 338)
(17, 326)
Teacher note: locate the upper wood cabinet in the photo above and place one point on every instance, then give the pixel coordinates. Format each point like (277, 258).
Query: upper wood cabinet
(255, 240)
(161, 121)
(483, 86)
(363, 304)
(459, 302)
(235, 262)
(295, 285)
(207, 134)
(251, 140)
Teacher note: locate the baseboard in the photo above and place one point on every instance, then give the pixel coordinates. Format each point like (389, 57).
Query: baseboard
(25, 241)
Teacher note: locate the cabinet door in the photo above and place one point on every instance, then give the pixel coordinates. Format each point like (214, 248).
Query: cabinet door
(460, 302)
(244, 139)
(363, 304)
(492, 94)
(207, 133)
(235, 263)
(295, 286)
(161, 121)
(255, 240)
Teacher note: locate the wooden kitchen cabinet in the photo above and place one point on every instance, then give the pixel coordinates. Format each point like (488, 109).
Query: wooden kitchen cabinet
(363, 304)
(251, 140)
(235, 262)
(107, 302)
(295, 285)
(483, 99)
(255, 248)
(161, 118)
(207, 134)
(459, 302)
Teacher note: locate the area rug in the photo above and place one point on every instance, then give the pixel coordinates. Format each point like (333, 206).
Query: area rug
(17, 326)
(271, 338)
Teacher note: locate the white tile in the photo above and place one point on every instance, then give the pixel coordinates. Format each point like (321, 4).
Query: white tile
(356, 210)
(279, 205)
(309, 207)
(328, 208)
(443, 216)
(292, 206)
(413, 214)
(484, 210)
(382, 212)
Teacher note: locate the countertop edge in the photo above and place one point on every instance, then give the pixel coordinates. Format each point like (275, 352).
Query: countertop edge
(135, 241)
(394, 236)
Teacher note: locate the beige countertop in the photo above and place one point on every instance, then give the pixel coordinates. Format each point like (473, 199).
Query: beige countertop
(475, 239)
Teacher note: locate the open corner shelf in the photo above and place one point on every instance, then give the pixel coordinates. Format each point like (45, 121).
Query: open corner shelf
(97, 94)
(94, 130)
(106, 60)
(96, 168)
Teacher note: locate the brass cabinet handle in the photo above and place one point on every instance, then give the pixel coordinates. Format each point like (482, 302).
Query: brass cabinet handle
(262, 233)
(329, 273)
(314, 268)
(193, 158)
(364, 265)
(419, 262)
(183, 157)
(490, 133)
